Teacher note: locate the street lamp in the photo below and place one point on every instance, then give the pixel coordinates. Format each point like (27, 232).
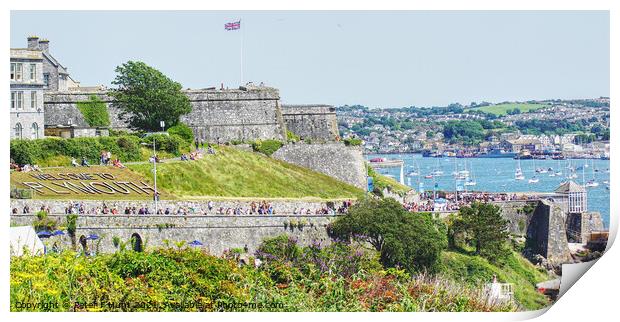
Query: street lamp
(155, 197)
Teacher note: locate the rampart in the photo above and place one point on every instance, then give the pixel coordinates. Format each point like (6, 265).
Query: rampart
(216, 116)
(311, 122)
(333, 159)
(543, 223)
(217, 232)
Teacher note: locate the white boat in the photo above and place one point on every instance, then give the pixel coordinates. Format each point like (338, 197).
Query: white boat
(413, 174)
(541, 170)
(591, 184)
(533, 180)
(437, 173)
(606, 182)
(518, 172)
(552, 174)
(470, 182)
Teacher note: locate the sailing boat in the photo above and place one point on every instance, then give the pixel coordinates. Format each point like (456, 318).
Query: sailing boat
(534, 179)
(415, 172)
(437, 171)
(470, 180)
(518, 172)
(559, 172)
(592, 182)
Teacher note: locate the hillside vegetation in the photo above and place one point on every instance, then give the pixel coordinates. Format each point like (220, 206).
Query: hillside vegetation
(502, 109)
(337, 277)
(476, 271)
(235, 173)
(228, 173)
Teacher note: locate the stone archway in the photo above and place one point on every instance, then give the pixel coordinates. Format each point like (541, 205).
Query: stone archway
(136, 242)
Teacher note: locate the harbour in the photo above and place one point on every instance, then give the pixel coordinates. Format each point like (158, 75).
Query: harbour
(498, 175)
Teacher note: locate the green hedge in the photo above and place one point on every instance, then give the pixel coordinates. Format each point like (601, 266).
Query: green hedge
(267, 147)
(126, 148)
(169, 143)
(182, 131)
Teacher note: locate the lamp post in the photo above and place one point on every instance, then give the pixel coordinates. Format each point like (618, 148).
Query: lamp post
(155, 196)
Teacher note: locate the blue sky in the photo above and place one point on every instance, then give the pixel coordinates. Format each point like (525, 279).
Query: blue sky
(378, 59)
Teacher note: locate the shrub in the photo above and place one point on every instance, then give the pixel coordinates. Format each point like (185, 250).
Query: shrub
(352, 142)
(267, 147)
(182, 131)
(23, 151)
(168, 143)
(292, 137)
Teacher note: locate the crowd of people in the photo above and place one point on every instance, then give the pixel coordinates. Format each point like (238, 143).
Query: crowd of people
(254, 208)
(450, 202)
(24, 167)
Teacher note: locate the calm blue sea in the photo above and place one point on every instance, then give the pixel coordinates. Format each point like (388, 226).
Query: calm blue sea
(497, 175)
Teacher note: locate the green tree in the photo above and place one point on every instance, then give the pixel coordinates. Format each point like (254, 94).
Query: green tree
(467, 132)
(145, 97)
(485, 229)
(403, 239)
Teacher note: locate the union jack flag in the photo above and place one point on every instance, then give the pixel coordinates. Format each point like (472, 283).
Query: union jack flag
(233, 25)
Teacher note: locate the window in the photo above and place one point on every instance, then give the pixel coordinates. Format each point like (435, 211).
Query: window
(33, 100)
(18, 131)
(46, 79)
(33, 72)
(16, 71)
(19, 100)
(34, 131)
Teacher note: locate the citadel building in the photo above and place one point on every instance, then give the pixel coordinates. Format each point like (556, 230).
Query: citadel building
(250, 112)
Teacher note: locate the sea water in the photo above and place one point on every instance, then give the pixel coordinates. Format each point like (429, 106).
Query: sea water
(498, 175)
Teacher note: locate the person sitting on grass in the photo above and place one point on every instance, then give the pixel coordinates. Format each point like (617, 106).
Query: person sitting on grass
(117, 163)
(84, 162)
(74, 162)
(183, 157)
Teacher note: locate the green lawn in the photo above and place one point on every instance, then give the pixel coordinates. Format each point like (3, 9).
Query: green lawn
(500, 109)
(235, 173)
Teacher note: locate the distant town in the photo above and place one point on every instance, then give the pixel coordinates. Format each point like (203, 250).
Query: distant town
(532, 129)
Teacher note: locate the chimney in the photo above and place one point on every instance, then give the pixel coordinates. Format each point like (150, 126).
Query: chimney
(33, 42)
(44, 45)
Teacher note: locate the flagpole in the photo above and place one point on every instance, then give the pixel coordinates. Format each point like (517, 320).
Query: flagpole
(242, 32)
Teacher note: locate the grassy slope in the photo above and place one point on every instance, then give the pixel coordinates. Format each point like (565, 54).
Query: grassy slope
(235, 173)
(229, 173)
(500, 109)
(477, 271)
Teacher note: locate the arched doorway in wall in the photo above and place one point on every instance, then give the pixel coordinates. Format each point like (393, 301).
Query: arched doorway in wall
(136, 242)
(83, 244)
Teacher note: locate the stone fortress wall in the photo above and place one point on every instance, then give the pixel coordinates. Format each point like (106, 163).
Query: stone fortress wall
(216, 116)
(345, 163)
(544, 229)
(313, 122)
(218, 232)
